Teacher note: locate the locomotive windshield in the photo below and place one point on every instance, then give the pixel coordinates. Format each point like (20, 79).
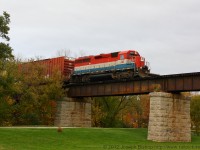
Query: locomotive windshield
(134, 54)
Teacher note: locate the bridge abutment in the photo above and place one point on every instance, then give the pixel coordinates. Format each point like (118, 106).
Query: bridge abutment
(169, 118)
(73, 112)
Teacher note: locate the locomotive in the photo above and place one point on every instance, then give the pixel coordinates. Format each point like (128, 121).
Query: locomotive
(117, 65)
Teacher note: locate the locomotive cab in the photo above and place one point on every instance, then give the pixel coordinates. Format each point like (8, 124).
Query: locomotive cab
(141, 65)
(135, 57)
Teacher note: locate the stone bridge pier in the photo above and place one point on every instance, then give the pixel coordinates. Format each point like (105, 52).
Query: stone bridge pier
(73, 113)
(169, 118)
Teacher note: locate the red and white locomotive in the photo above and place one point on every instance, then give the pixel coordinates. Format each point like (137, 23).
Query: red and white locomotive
(117, 65)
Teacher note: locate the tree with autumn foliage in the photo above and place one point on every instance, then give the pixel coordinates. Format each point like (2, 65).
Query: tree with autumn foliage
(39, 93)
(28, 96)
(137, 115)
(107, 111)
(120, 111)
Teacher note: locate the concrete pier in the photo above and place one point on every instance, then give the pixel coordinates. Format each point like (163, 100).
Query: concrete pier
(73, 113)
(169, 118)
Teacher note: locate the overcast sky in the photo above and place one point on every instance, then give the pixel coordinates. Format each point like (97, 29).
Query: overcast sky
(166, 33)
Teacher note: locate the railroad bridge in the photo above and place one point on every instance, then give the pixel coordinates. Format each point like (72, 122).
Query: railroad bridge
(169, 118)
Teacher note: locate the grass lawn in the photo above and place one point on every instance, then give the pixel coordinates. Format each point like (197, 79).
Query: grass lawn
(85, 139)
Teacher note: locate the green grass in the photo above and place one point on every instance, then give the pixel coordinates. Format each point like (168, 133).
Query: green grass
(85, 139)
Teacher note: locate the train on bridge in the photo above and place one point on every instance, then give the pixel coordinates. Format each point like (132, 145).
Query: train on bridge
(117, 65)
(127, 64)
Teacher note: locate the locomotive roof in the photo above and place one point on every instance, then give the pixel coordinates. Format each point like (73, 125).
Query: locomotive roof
(127, 51)
(107, 54)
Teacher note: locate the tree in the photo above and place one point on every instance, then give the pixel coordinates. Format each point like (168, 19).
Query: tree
(28, 96)
(108, 111)
(137, 115)
(5, 54)
(7, 72)
(9, 89)
(5, 49)
(39, 93)
(25, 97)
(63, 52)
(195, 113)
(121, 111)
(145, 105)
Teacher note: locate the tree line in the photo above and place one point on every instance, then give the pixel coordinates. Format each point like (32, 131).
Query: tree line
(29, 98)
(26, 98)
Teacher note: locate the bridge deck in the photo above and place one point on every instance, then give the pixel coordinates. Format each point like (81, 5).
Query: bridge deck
(166, 83)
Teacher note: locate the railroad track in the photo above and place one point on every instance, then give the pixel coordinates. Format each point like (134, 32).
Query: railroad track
(150, 77)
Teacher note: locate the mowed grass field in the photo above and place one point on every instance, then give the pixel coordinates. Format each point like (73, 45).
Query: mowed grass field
(85, 139)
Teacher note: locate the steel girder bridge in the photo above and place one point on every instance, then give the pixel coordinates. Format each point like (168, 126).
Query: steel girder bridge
(174, 83)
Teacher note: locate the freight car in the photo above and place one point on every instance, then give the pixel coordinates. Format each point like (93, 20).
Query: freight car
(117, 65)
(63, 64)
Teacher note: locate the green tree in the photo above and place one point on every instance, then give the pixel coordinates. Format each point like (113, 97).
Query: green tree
(195, 113)
(5, 49)
(7, 72)
(5, 55)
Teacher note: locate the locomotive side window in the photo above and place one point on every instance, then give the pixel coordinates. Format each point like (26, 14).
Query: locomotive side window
(115, 54)
(86, 60)
(121, 57)
(82, 60)
(78, 61)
